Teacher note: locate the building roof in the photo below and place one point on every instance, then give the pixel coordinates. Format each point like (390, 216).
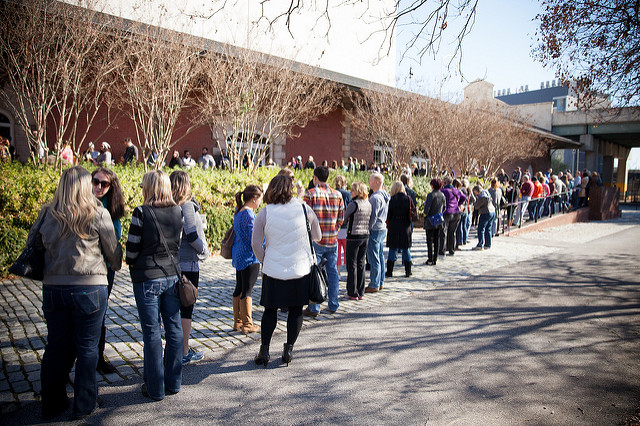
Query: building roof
(534, 96)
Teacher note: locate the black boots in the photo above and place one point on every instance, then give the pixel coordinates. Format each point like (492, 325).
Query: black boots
(407, 269)
(104, 366)
(389, 272)
(286, 353)
(263, 356)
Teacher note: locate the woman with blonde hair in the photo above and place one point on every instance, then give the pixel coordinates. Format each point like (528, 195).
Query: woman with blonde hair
(193, 250)
(77, 235)
(154, 283)
(356, 216)
(280, 241)
(399, 228)
(244, 260)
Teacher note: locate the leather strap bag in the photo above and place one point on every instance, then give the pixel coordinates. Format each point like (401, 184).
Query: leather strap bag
(318, 286)
(187, 291)
(227, 243)
(30, 263)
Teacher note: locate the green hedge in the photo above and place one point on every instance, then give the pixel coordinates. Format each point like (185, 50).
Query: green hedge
(25, 188)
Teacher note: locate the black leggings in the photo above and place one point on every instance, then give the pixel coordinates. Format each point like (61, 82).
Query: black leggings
(245, 280)
(270, 320)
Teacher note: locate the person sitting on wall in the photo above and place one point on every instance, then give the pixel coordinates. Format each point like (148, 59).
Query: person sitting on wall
(206, 161)
(310, 164)
(187, 160)
(130, 156)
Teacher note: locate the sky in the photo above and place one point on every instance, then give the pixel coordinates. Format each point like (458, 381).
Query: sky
(497, 50)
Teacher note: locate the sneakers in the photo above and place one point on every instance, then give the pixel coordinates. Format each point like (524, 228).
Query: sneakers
(371, 290)
(352, 297)
(477, 248)
(192, 356)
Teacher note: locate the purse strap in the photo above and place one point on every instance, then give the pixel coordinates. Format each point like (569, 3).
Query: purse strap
(306, 218)
(37, 230)
(164, 241)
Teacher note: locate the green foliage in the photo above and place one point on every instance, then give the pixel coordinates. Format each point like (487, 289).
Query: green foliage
(24, 189)
(12, 241)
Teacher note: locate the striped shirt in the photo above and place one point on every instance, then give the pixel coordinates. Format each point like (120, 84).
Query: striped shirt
(329, 208)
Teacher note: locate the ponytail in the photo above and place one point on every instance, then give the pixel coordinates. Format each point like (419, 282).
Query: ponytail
(239, 202)
(249, 193)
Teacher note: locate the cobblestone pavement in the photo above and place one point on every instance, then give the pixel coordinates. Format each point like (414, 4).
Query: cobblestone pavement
(23, 330)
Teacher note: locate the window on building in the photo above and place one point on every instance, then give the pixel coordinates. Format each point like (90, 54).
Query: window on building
(382, 154)
(254, 145)
(6, 126)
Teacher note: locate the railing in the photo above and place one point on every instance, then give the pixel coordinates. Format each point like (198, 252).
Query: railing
(540, 207)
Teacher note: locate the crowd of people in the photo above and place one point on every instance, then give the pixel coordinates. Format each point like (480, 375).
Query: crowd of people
(333, 226)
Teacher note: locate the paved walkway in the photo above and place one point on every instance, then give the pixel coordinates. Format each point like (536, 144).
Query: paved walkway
(23, 331)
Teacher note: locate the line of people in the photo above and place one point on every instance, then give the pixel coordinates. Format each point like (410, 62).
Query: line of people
(80, 229)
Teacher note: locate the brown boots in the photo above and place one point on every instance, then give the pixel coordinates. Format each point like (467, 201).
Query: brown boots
(237, 321)
(242, 318)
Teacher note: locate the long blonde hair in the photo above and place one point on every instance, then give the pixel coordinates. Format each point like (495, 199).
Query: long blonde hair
(74, 205)
(397, 187)
(156, 189)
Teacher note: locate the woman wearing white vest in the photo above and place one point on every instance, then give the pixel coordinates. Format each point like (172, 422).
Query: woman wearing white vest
(281, 243)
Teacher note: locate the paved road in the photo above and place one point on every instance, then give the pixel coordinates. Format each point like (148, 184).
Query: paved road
(542, 329)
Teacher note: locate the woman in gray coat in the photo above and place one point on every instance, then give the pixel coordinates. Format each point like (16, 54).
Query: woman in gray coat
(434, 204)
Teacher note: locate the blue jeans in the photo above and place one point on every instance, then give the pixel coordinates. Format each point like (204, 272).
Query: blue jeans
(331, 254)
(159, 299)
(74, 315)
(462, 236)
(393, 255)
(375, 256)
(485, 223)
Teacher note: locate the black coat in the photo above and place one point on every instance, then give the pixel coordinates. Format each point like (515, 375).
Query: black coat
(399, 222)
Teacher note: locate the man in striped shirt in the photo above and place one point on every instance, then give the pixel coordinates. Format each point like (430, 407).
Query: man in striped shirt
(329, 208)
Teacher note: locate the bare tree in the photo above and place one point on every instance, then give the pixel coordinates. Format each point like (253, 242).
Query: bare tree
(593, 45)
(252, 101)
(157, 80)
(391, 119)
(425, 20)
(30, 42)
(57, 62)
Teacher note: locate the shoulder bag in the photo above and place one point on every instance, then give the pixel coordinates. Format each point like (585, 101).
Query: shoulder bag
(30, 263)
(187, 291)
(227, 243)
(318, 286)
(436, 219)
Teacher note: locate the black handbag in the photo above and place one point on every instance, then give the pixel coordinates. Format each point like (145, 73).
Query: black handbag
(318, 285)
(186, 290)
(30, 263)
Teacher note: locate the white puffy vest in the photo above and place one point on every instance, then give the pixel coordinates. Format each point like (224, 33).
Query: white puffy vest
(287, 252)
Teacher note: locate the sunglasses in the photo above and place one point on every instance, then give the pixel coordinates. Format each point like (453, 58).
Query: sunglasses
(102, 183)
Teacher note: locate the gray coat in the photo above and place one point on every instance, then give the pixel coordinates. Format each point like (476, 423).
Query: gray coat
(193, 244)
(434, 204)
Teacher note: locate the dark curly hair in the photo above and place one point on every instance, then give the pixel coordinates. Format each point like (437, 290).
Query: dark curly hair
(436, 184)
(115, 199)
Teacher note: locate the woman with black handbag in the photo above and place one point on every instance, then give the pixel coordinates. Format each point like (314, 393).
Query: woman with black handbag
(153, 273)
(434, 206)
(281, 243)
(77, 234)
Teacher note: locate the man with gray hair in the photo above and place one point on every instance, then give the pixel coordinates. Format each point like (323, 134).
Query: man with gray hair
(379, 201)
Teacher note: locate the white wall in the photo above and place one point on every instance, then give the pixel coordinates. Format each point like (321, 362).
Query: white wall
(351, 45)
